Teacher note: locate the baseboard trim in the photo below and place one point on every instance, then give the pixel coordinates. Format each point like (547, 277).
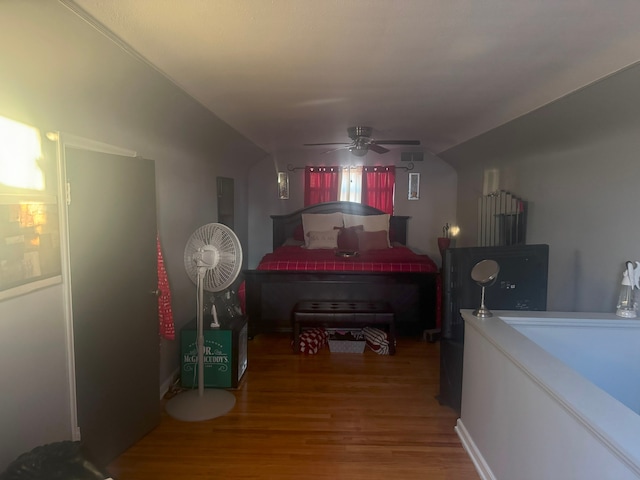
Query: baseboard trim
(472, 450)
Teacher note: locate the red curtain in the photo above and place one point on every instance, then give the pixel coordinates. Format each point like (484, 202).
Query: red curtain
(378, 184)
(321, 184)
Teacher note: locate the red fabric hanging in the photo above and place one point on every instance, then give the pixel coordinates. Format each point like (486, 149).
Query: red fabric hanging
(378, 184)
(321, 184)
(165, 313)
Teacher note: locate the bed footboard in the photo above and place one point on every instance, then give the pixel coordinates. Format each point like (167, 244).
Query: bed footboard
(271, 296)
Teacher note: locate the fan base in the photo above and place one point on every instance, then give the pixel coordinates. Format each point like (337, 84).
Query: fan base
(190, 406)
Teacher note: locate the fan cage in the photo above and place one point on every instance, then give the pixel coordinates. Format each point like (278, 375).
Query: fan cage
(229, 255)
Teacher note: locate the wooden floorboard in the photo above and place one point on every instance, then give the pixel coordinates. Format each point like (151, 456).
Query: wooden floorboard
(324, 416)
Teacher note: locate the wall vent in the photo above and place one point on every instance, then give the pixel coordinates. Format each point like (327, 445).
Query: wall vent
(412, 156)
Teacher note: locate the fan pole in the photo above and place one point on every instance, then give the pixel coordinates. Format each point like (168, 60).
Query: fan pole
(200, 333)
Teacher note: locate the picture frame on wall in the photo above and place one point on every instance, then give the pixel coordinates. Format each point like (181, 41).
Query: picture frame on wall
(414, 187)
(283, 185)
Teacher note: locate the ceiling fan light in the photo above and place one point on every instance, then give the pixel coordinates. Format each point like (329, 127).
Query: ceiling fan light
(358, 152)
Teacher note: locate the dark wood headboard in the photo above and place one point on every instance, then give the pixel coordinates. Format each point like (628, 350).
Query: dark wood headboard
(284, 225)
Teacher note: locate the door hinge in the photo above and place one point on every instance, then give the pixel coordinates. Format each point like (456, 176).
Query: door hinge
(68, 193)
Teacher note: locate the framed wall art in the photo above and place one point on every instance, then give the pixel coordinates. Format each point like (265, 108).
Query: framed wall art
(283, 185)
(414, 186)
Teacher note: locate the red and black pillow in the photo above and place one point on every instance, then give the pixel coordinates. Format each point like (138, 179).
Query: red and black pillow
(348, 237)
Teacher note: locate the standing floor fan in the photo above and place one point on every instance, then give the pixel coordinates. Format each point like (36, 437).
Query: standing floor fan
(212, 259)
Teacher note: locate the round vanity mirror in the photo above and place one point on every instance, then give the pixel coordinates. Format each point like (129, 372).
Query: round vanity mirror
(484, 273)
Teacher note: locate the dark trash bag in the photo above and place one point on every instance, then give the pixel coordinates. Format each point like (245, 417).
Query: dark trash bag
(55, 461)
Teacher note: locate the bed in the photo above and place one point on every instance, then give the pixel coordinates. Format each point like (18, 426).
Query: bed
(291, 273)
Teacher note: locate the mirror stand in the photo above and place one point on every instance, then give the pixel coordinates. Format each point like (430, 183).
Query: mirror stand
(483, 311)
(484, 273)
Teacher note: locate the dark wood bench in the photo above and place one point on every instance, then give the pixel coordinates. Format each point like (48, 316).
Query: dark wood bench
(356, 314)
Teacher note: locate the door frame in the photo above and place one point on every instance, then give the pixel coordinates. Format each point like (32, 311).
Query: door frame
(68, 140)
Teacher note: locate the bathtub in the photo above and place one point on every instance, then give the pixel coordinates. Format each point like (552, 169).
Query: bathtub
(550, 396)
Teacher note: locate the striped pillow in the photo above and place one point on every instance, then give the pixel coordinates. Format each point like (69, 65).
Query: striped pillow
(377, 340)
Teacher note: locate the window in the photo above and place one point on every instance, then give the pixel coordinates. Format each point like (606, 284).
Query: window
(29, 224)
(351, 184)
(372, 186)
(20, 154)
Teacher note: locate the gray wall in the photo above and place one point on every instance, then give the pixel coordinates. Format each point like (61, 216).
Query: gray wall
(59, 73)
(436, 206)
(576, 162)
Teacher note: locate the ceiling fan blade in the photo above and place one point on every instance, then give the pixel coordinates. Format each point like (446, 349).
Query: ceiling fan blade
(377, 148)
(397, 142)
(347, 145)
(332, 143)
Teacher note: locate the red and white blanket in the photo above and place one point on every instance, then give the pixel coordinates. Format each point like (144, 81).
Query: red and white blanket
(396, 259)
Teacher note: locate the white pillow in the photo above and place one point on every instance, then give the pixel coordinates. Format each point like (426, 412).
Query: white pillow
(317, 240)
(320, 222)
(370, 223)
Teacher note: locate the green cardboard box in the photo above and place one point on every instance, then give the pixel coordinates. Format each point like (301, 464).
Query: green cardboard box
(225, 353)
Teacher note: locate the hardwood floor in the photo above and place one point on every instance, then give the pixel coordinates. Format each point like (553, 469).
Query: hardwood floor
(324, 416)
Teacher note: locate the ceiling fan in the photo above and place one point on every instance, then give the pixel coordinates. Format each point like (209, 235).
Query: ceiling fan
(362, 142)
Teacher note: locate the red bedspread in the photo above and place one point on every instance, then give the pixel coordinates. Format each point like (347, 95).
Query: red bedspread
(396, 259)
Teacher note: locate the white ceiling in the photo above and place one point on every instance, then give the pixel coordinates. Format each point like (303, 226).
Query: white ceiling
(288, 72)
